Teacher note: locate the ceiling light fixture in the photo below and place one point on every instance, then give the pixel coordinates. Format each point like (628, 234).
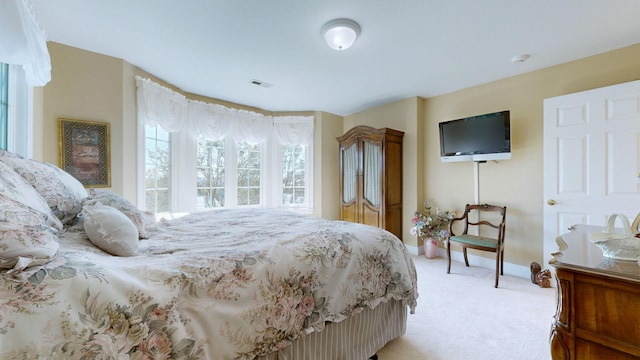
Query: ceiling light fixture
(340, 34)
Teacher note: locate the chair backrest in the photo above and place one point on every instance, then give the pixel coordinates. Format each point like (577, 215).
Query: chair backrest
(476, 215)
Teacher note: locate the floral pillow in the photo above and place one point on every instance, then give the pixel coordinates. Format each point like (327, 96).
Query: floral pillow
(25, 237)
(114, 200)
(110, 230)
(16, 188)
(62, 192)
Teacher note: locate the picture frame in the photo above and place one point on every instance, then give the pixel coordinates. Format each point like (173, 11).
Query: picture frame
(84, 148)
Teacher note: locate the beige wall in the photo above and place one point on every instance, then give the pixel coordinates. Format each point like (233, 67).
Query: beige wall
(516, 183)
(402, 115)
(90, 86)
(83, 86)
(326, 170)
(95, 87)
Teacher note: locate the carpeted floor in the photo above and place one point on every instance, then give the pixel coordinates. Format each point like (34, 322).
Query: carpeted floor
(461, 316)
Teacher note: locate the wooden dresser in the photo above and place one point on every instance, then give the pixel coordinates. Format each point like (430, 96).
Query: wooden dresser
(371, 177)
(598, 309)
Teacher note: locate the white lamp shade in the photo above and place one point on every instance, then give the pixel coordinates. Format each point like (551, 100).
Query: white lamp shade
(340, 34)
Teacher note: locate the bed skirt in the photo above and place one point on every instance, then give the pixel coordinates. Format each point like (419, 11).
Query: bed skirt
(357, 337)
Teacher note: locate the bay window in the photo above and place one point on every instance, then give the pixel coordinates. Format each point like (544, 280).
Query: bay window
(201, 156)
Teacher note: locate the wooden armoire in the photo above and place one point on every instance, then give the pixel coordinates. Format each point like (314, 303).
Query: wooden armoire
(371, 177)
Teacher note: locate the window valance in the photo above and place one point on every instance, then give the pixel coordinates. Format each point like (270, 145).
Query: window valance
(159, 105)
(23, 42)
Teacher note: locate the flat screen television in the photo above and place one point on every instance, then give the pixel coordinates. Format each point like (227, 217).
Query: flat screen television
(476, 138)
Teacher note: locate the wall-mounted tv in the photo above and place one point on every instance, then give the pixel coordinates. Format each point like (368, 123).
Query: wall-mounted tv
(476, 138)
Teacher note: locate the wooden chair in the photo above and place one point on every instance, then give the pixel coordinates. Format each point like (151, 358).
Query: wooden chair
(477, 216)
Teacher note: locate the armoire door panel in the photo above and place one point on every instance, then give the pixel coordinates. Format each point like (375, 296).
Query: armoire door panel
(371, 216)
(350, 212)
(372, 172)
(349, 168)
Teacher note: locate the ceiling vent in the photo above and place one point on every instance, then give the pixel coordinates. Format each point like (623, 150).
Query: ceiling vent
(261, 83)
(520, 58)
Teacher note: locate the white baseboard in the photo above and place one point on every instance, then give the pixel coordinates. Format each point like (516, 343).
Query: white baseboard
(475, 260)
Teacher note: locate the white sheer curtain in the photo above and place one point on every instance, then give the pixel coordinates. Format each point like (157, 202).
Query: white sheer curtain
(213, 130)
(23, 42)
(349, 178)
(372, 165)
(250, 127)
(159, 105)
(293, 130)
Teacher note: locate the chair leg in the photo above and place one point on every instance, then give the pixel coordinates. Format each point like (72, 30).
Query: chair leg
(449, 258)
(466, 260)
(502, 262)
(497, 267)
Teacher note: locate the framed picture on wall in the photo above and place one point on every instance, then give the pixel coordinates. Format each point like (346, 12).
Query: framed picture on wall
(84, 151)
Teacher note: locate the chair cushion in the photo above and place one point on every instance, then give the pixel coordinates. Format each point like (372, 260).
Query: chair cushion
(475, 240)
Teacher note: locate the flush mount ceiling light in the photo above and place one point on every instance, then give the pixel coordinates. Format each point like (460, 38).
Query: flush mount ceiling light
(340, 34)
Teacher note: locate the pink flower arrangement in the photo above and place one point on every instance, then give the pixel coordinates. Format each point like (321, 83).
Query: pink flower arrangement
(431, 223)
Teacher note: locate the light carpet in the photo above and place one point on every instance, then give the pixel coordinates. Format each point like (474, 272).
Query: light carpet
(462, 316)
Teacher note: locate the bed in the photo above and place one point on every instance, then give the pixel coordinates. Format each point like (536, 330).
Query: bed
(92, 277)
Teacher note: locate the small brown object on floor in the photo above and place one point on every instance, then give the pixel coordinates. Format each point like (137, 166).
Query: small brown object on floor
(542, 278)
(535, 269)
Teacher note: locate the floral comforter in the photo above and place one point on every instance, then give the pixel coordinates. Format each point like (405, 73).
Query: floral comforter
(223, 284)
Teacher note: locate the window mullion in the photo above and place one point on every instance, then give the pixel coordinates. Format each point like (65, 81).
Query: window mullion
(308, 176)
(174, 183)
(4, 105)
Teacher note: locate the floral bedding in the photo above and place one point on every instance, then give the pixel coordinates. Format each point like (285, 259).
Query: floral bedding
(223, 284)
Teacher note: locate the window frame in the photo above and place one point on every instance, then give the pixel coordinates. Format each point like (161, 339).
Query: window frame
(209, 169)
(170, 143)
(19, 126)
(184, 188)
(307, 179)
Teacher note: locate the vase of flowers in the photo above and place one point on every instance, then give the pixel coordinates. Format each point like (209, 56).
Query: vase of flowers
(431, 225)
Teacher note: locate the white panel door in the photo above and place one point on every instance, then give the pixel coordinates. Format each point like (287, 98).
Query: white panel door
(591, 158)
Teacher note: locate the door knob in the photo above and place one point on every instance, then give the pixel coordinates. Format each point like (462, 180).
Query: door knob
(551, 202)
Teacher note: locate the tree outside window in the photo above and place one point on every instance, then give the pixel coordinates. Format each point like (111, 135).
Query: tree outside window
(157, 178)
(293, 175)
(211, 173)
(248, 174)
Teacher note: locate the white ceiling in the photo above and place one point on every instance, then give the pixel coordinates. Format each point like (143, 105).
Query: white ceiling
(407, 47)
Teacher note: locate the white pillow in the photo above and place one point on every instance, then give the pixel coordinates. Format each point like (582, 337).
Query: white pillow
(109, 198)
(110, 230)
